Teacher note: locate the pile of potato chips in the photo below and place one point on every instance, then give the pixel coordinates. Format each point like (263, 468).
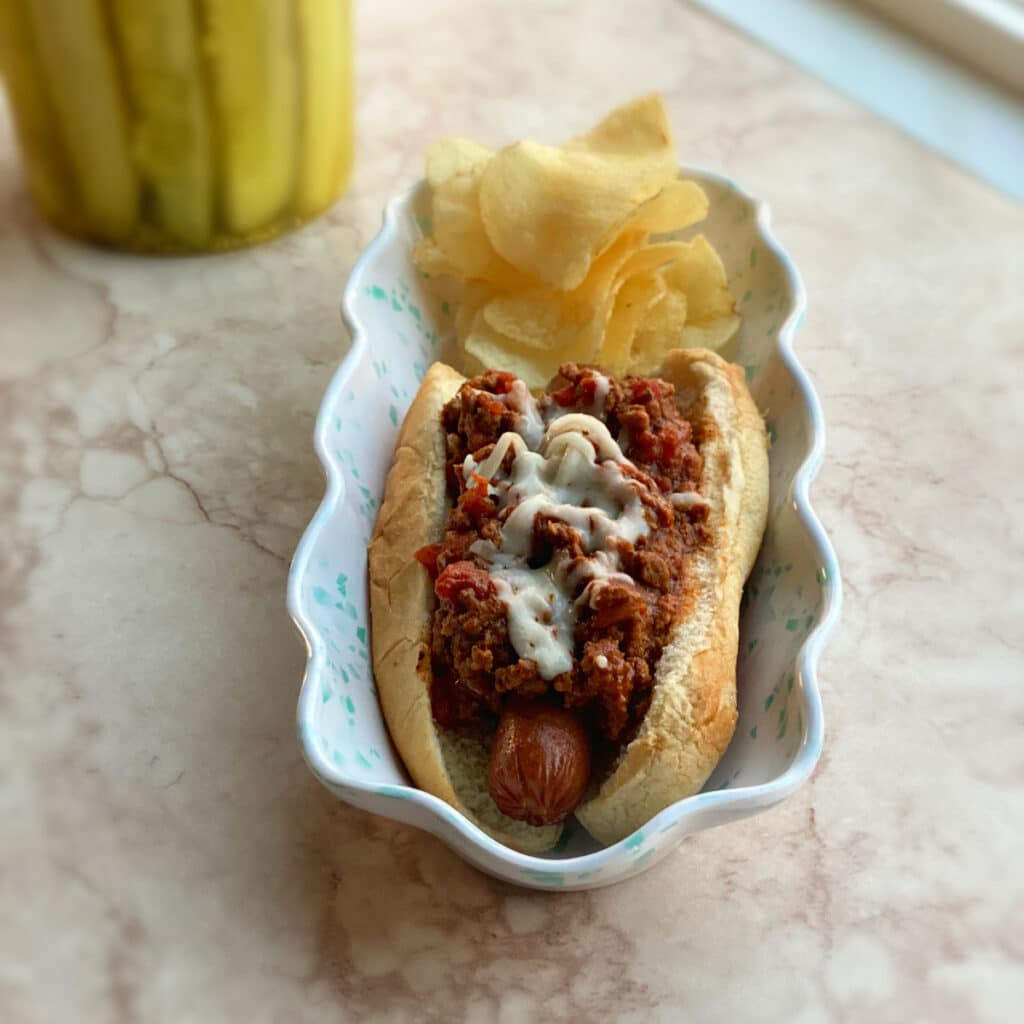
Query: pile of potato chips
(550, 250)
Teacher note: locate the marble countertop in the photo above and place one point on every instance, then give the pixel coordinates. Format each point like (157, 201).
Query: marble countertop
(165, 854)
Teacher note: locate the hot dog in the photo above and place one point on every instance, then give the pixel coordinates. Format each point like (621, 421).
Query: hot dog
(540, 762)
(555, 587)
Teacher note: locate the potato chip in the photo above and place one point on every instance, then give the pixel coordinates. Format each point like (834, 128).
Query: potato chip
(448, 157)
(678, 205)
(638, 128)
(699, 274)
(608, 267)
(543, 320)
(431, 260)
(550, 213)
(543, 324)
(458, 245)
(652, 257)
(548, 251)
(547, 317)
(712, 335)
(666, 317)
(535, 366)
(476, 295)
(661, 331)
(635, 297)
(457, 227)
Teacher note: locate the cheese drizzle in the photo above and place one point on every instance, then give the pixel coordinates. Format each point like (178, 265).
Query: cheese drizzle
(575, 472)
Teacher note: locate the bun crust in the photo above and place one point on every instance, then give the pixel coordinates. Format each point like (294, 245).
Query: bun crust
(693, 706)
(449, 765)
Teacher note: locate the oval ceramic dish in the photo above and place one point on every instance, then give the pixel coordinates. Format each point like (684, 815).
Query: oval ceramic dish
(790, 605)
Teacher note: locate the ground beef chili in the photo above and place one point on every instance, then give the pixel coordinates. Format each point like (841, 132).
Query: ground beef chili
(619, 636)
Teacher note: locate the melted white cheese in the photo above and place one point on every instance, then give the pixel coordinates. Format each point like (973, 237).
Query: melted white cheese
(575, 478)
(574, 427)
(601, 389)
(540, 617)
(530, 423)
(687, 499)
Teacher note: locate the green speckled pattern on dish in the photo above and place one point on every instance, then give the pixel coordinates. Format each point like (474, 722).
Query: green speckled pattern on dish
(401, 328)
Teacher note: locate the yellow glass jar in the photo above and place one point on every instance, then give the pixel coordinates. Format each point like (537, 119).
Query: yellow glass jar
(180, 125)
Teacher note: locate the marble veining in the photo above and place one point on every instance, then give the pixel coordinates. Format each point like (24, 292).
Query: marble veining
(165, 854)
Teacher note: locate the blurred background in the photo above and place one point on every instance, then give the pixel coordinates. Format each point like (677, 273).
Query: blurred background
(173, 126)
(166, 855)
(950, 73)
(168, 126)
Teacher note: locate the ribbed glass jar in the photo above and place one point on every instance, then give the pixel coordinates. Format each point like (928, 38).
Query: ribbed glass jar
(180, 125)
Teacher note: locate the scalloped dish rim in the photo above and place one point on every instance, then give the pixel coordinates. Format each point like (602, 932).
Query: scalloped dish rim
(738, 802)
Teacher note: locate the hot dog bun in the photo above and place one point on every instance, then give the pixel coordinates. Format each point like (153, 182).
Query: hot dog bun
(449, 765)
(693, 707)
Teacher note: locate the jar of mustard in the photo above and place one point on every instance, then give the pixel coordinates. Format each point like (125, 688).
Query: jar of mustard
(180, 125)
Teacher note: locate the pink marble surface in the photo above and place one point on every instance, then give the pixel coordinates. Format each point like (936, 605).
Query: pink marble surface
(165, 856)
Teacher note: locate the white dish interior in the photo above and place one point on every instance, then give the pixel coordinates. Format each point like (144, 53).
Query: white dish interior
(789, 608)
